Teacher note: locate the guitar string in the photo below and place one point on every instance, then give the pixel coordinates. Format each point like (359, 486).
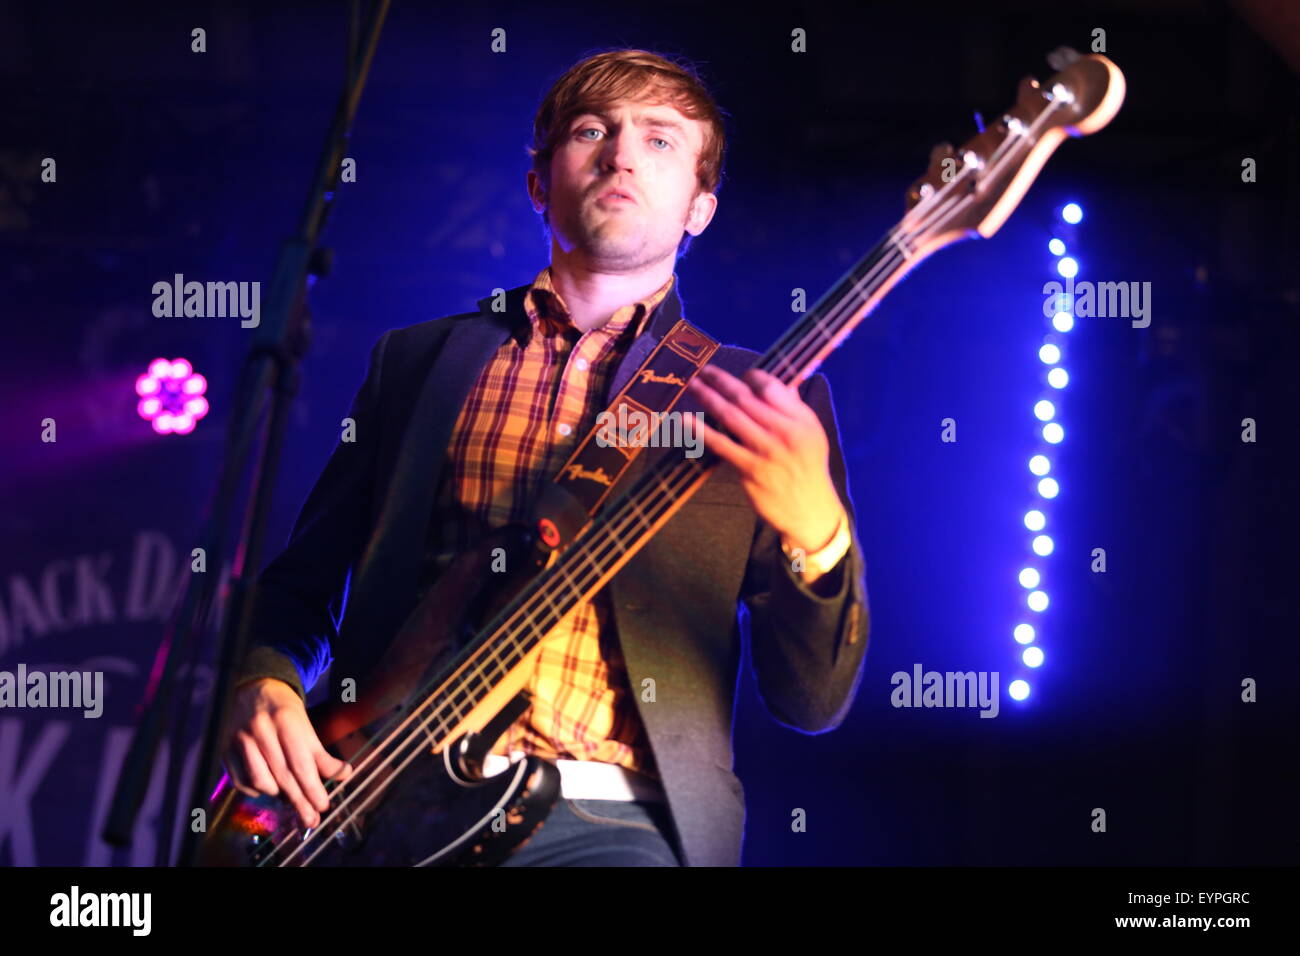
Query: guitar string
(478, 674)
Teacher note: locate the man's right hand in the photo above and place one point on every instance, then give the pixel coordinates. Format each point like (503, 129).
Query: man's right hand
(273, 749)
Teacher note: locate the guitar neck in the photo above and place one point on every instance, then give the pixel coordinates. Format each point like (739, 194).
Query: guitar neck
(805, 345)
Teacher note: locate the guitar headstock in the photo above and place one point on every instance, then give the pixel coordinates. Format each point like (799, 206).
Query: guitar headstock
(973, 189)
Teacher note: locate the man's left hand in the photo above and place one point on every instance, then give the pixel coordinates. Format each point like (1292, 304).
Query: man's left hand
(779, 448)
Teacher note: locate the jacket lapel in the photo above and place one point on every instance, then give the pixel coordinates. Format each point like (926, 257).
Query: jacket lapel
(387, 577)
(661, 320)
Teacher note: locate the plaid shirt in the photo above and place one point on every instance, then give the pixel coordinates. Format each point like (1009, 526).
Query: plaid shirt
(532, 403)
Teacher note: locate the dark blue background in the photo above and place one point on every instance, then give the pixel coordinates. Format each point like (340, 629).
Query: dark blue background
(170, 161)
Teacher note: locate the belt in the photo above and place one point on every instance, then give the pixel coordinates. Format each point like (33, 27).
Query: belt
(591, 780)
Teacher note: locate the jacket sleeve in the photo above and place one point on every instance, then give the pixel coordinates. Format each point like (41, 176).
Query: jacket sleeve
(292, 624)
(808, 646)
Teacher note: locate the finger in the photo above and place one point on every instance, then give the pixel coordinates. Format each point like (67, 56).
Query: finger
(249, 771)
(735, 418)
(752, 392)
(300, 755)
(804, 427)
(331, 768)
(780, 396)
(235, 769)
(744, 460)
(780, 424)
(274, 756)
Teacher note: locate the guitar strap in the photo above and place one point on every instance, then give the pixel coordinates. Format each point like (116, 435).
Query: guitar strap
(631, 422)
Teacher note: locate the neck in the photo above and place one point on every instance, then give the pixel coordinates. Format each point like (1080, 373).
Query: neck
(594, 296)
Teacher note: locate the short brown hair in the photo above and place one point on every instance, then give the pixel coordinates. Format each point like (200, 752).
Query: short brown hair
(602, 78)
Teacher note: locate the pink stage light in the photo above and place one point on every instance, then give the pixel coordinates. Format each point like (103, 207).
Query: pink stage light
(171, 396)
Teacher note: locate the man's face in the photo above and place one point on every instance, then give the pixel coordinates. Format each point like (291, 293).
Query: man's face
(647, 151)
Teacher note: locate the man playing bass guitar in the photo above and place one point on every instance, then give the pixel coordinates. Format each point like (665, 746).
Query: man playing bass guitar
(633, 694)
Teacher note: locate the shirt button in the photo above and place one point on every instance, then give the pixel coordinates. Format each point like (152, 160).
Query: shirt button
(582, 364)
(564, 429)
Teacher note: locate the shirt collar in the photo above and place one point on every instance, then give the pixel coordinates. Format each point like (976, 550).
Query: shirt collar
(546, 309)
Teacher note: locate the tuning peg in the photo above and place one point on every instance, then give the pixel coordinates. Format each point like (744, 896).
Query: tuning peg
(940, 152)
(1062, 57)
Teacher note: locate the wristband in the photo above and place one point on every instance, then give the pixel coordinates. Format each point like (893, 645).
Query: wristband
(825, 558)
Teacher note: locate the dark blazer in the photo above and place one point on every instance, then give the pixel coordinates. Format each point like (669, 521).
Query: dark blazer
(357, 548)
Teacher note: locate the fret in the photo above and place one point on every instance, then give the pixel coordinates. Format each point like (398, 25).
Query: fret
(583, 554)
(544, 594)
(566, 584)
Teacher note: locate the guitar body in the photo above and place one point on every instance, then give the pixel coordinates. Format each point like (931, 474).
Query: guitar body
(439, 810)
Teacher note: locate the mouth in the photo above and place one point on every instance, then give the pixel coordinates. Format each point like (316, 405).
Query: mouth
(615, 196)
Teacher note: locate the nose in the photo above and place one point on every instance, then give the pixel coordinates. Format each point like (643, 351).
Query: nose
(617, 154)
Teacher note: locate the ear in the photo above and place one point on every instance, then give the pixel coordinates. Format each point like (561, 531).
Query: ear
(703, 207)
(536, 194)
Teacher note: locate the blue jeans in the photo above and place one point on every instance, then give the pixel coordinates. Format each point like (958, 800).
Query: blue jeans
(600, 833)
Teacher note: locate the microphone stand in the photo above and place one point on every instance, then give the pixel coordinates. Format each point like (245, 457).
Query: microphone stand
(269, 377)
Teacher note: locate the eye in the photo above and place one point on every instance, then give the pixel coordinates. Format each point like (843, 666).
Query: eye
(660, 139)
(590, 129)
